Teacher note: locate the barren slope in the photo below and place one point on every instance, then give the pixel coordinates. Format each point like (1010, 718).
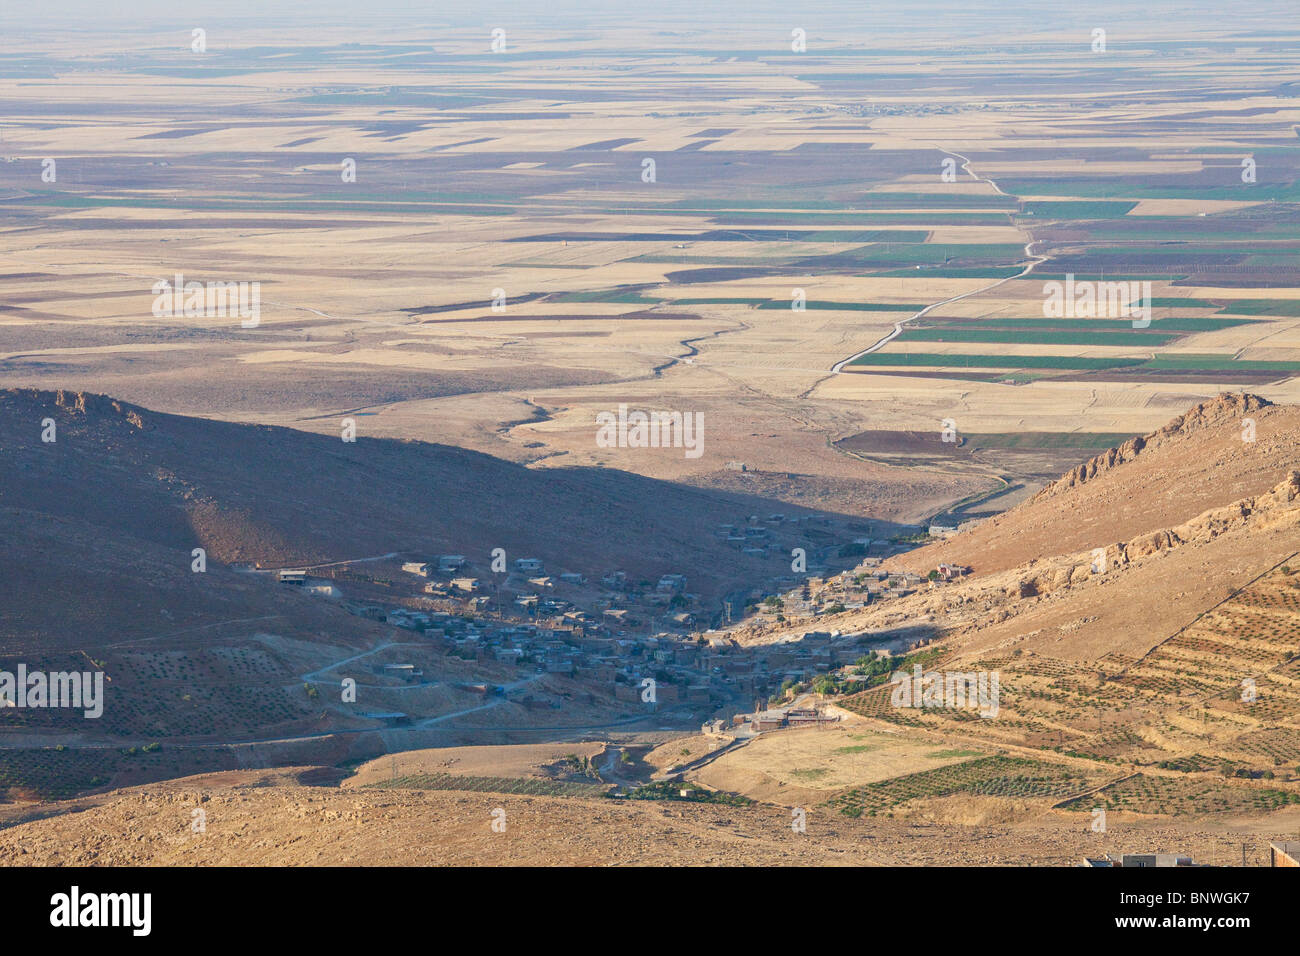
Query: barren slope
(1197, 462)
(260, 818)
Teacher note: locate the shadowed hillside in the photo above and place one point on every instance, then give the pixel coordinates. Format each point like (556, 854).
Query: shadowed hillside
(119, 500)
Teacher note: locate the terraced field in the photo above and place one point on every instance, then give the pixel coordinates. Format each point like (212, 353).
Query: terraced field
(1226, 687)
(998, 776)
(472, 784)
(58, 773)
(1254, 636)
(1144, 793)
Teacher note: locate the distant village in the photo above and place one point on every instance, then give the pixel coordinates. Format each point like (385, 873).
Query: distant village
(616, 634)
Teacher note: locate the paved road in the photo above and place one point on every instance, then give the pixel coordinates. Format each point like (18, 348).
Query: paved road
(898, 326)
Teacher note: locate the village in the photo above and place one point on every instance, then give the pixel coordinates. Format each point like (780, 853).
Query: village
(637, 644)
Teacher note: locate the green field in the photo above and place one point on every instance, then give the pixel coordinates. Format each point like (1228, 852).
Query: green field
(1103, 189)
(954, 333)
(1283, 307)
(932, 360)
(1047, 441)
(606, 295)
(1182, 363)
(1218, 363)
(1181, 324)
(1063, 209)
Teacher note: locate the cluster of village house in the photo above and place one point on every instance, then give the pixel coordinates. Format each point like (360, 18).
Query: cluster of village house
(530, 590)
(701, 672)
(692, 669)
(622, 605)
(617, 633)
(850, 590)
(756, 538)
(759, 536)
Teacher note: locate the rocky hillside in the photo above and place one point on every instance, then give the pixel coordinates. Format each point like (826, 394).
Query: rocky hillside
(1219, 452)
(1118, 554)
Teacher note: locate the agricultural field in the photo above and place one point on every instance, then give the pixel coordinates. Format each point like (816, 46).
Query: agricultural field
(1219, 694)
(1173, 796)
(996, 776)
(62, 772)
(809, 764)
(517, 785)
(748, 259)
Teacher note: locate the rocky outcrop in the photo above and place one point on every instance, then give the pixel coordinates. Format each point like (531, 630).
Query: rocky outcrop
(88, 405)
(1095, 466)
(1275, 508)
(1227, 408)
